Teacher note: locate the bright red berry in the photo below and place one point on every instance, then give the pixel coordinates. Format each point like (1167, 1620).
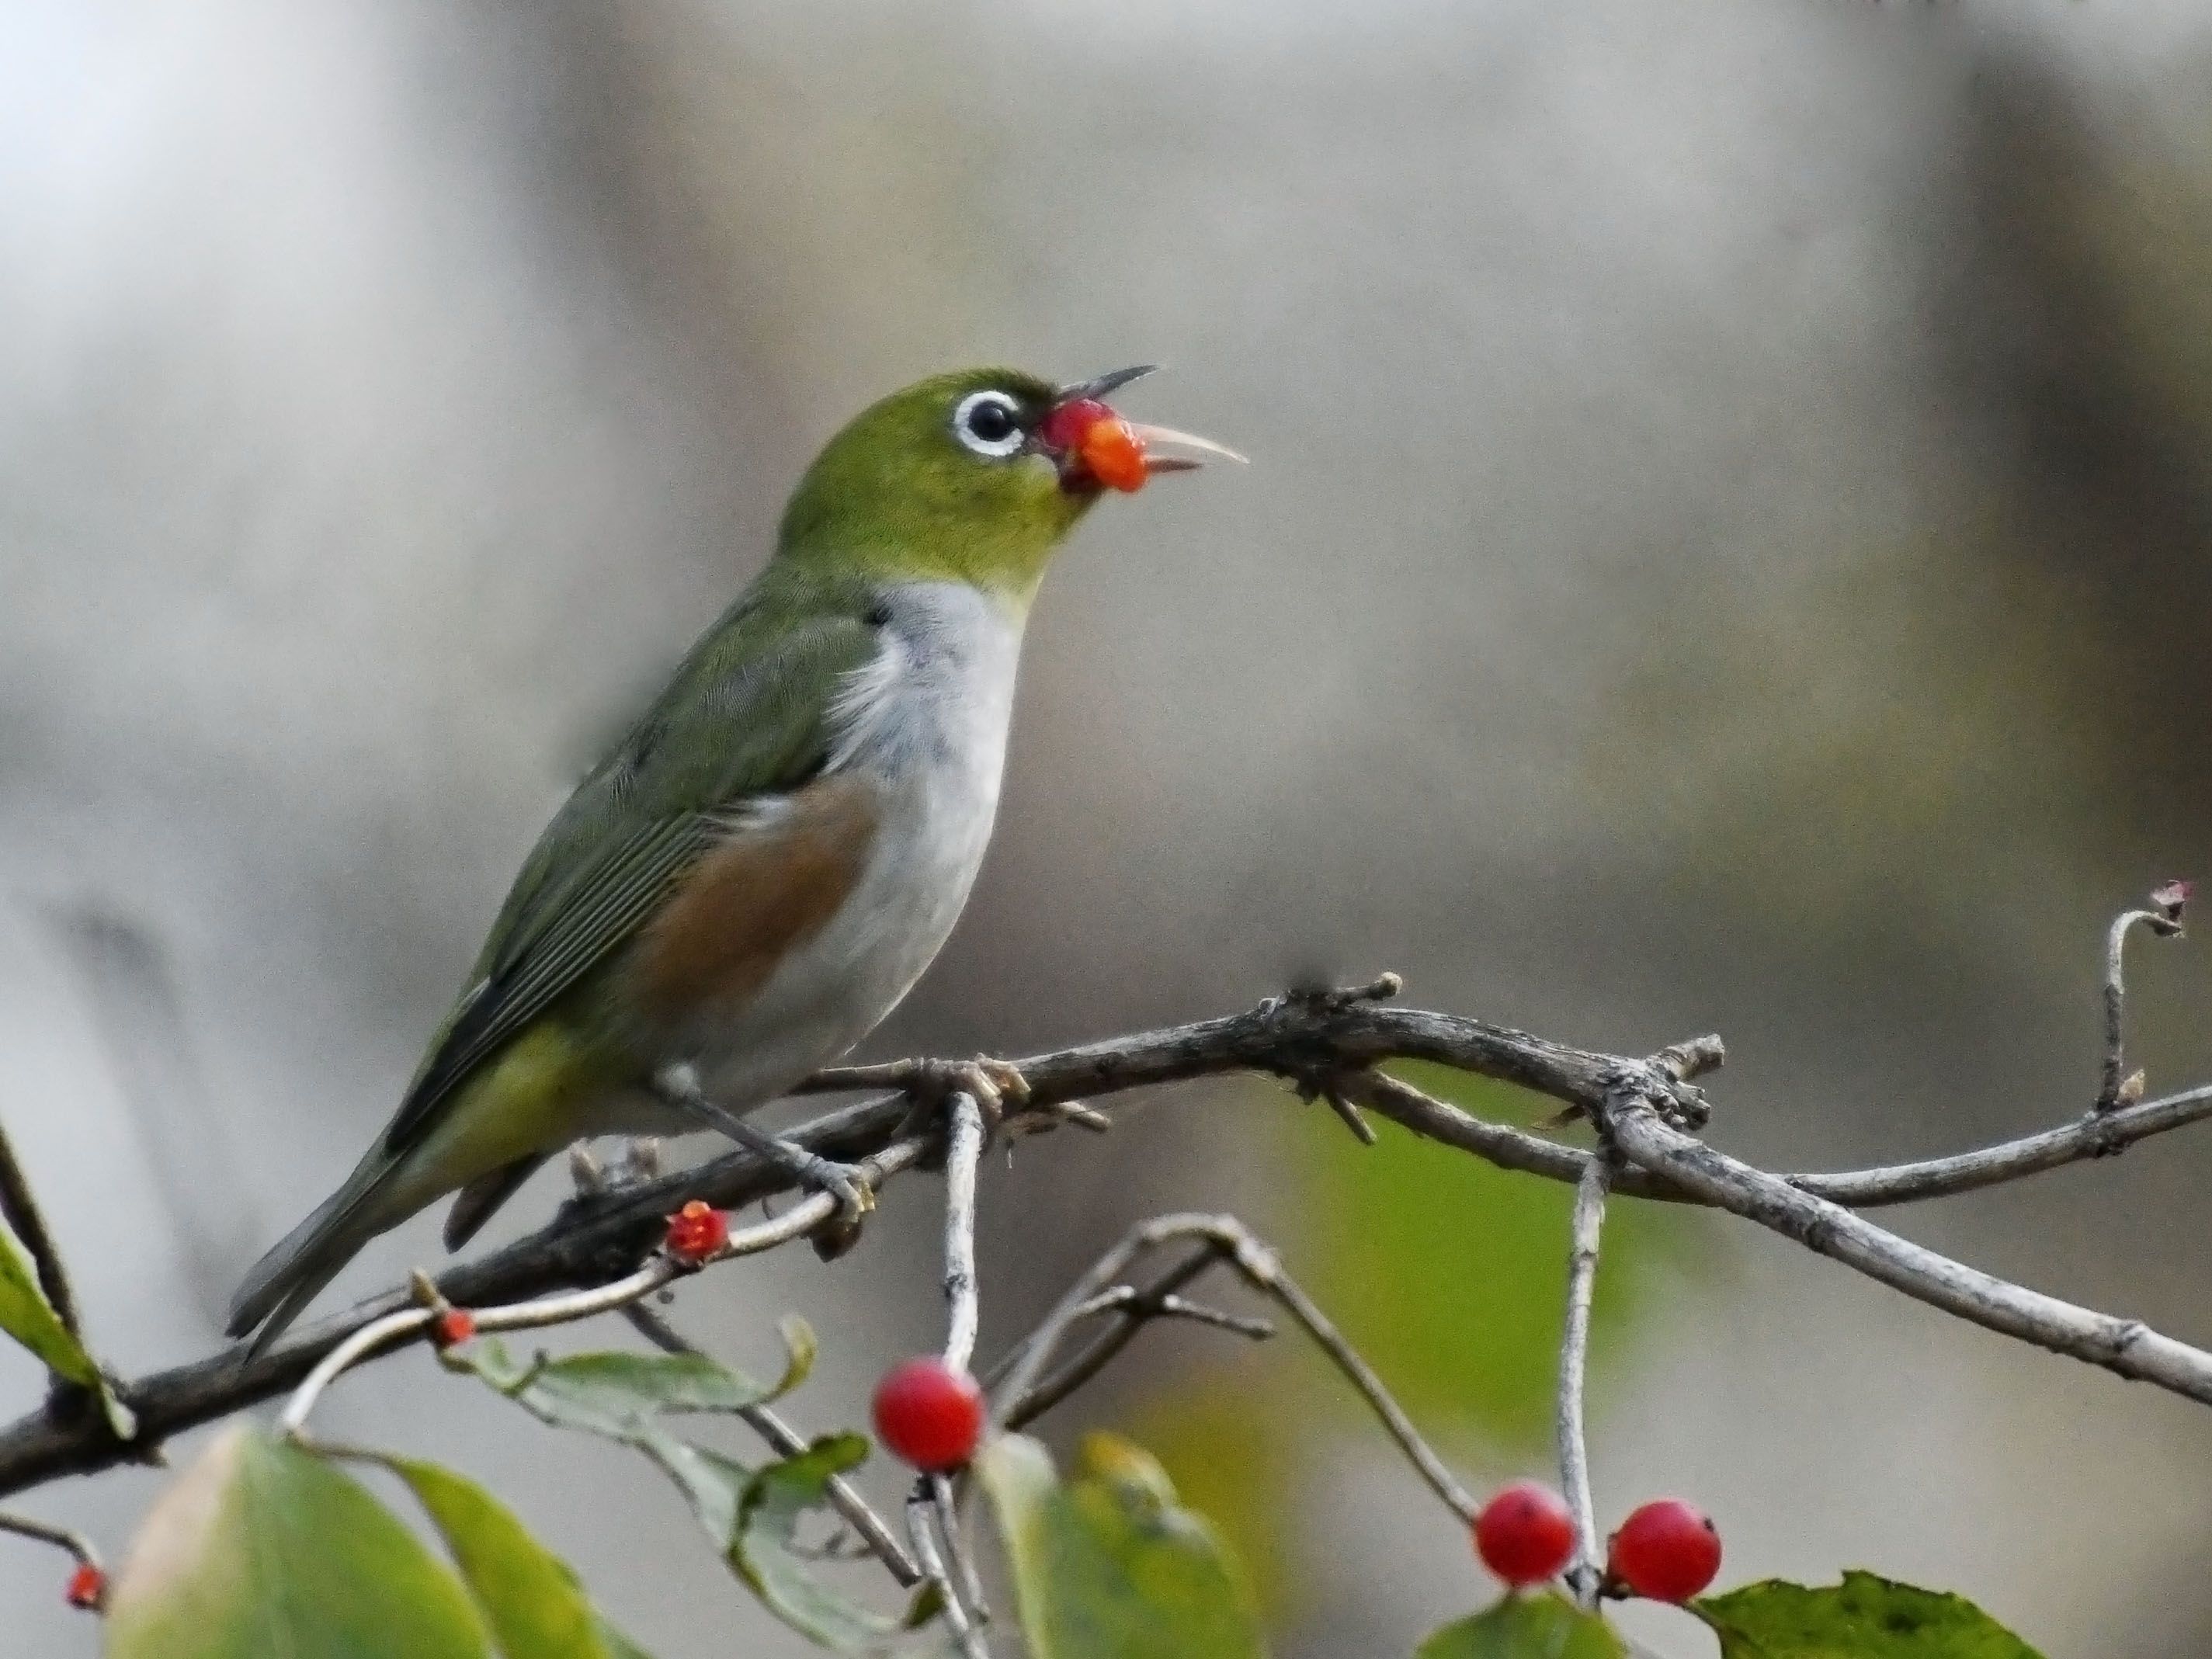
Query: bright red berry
(87, 1586)
(1525, 1533)
(696, 1232)
(1666, 1551)
(1066, 424)
(454, 1325)
(929, 1414)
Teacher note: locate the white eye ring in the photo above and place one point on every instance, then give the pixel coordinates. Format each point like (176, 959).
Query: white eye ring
(964, 419)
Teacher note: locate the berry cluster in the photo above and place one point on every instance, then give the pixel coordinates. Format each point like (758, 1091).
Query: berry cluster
(1665, 1550)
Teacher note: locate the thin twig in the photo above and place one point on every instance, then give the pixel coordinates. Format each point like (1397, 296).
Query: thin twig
(963, 1560)
(844, 1497)
(1584, 1571)
(60, 1537)
(18, 1207)
(2125, 1347)
(2164, 920)
(1261, 1269)
(920, 1515)
(1134, 1311)
(963, 1301)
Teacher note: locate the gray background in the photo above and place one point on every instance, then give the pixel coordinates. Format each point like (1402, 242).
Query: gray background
(1726, 548)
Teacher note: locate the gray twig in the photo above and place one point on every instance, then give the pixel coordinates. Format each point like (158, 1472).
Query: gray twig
(921, 1517)
(2163, 919)
(1584, 1571)
(964, 1152)
(1236, 1244)
(2125, 1347)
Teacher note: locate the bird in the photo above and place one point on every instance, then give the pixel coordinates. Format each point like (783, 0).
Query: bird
(758, 871)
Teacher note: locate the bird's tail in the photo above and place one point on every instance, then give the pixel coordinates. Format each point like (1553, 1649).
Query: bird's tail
(293, 1272)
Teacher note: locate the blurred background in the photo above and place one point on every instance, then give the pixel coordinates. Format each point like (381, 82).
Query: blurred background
(1727, 548)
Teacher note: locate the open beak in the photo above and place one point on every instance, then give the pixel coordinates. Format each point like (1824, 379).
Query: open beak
(1095, 448)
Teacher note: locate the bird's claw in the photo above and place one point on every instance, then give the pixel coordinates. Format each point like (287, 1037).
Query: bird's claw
(991, 1083)
(847, 1184)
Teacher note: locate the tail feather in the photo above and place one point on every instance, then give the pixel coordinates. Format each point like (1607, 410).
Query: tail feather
(280, 1286)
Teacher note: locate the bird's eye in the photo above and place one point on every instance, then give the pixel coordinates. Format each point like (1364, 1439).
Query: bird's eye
(988, 423)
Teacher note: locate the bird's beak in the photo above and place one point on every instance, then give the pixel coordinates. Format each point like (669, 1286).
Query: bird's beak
(1094, 447)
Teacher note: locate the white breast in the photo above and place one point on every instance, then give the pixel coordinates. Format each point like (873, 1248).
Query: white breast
(925, 721)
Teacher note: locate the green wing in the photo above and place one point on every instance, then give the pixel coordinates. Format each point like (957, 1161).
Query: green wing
(746, 716)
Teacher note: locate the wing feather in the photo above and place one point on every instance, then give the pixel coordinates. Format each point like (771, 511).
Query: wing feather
(741, 727)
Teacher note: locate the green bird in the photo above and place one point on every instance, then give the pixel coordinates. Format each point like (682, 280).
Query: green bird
(764, 864)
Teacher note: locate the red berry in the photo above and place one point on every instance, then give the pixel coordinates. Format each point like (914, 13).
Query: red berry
(1114, 455)
(87, 1586)
(697, 1232)
(1666, 1551)
(454, 1325)
(1525, 1533)
(1066, 424)
(929, 1414)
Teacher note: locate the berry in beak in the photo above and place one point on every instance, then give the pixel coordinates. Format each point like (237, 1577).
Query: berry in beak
(1095, 448)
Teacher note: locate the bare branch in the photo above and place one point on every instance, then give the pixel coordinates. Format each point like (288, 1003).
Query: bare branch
(1236, 1244)
(2126, 1346)
(605, 1236)
(1135, 1310)
(964, 1152)
(1584, 1572)
(920, 1515)
(2164, 920)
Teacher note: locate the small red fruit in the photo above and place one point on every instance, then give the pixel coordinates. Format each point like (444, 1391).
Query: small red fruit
(454, 1325)
(1064, 425)
(1116, 455)
(1665, 1550)
(88, 1587)
(697, 1232)
(1525, 1533)
(1105, 445)
(929, 1414)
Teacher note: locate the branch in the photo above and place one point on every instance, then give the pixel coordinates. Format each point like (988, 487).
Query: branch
(1231, 1241)
(2164, 920)
(2125, 1347)
(1337, 1035)
(1585, 1571)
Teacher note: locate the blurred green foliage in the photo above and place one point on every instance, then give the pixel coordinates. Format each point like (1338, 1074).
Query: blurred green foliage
(1448, 1274)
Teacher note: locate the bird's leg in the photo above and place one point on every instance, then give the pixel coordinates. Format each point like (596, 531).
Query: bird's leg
(679, 1086)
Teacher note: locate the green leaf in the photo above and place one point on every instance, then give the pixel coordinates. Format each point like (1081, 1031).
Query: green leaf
(26, 1315)
(774, 1504)
(1865, 1616)
(1108, 1566)
(1526, 1627)
(619, 1394)
(261, 1548)
(530, 1597)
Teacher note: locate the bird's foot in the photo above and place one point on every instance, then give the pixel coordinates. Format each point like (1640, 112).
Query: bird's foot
(847, 1184)
(991, 1083)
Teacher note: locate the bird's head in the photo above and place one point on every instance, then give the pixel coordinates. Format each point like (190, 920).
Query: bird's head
(974, 476)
